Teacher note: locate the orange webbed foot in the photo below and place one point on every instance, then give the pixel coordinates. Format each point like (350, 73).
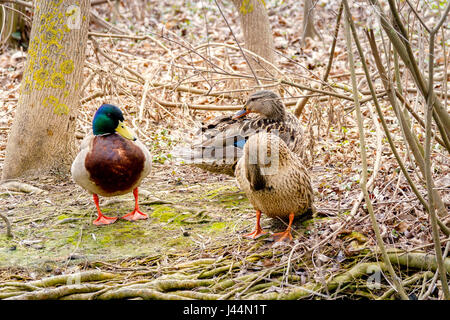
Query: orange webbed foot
(101, 220)
(135, 215)
(104, 220)
(286, 234)
(258, 230)
(282, 236)
(255, 234)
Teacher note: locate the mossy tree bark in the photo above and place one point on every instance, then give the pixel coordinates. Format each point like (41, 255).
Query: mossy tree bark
(42, 137)
(257, 33)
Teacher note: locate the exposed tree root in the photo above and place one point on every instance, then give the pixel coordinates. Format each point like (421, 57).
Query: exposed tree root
(311, 288)
(57, 293)
(418, 260)
(212, 279)
(75, 278)
(146, 294)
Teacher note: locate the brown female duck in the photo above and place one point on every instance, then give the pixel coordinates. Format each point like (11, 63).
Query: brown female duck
(274, 180)
(222, 141)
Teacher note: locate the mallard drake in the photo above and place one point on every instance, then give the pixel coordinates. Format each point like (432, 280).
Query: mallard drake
(222, 141)
(111, 162)
(274, 180)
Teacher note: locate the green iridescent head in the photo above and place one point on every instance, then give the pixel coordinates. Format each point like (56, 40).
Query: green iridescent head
(109, 119)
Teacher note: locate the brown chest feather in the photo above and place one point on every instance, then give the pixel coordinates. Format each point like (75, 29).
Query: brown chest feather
(114, 163)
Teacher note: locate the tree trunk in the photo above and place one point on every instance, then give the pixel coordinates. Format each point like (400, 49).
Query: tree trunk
(309, 30)
(42, 135)
(257, 33)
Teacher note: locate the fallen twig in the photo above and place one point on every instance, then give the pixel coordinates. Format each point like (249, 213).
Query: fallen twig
(21, 187)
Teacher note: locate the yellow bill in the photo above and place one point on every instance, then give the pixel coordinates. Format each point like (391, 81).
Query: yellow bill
(125, 132)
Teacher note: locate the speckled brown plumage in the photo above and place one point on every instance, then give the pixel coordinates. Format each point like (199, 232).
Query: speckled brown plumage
(216, 151)
(273, 177)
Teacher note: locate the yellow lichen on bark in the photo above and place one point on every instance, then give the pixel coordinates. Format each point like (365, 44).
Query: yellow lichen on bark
(49, 70)
(49, 93)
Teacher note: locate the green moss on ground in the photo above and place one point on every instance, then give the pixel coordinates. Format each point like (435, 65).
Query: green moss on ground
(50, 230)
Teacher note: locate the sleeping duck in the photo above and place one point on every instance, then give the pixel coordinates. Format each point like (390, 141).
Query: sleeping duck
(222, 141)
(111, 162)
(274, 180)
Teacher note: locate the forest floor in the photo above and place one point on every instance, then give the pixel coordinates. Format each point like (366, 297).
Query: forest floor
(192, 243)
(192, 246)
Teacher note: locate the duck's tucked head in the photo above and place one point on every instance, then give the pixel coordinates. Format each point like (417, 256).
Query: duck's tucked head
(109, 119)
(266, 103)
